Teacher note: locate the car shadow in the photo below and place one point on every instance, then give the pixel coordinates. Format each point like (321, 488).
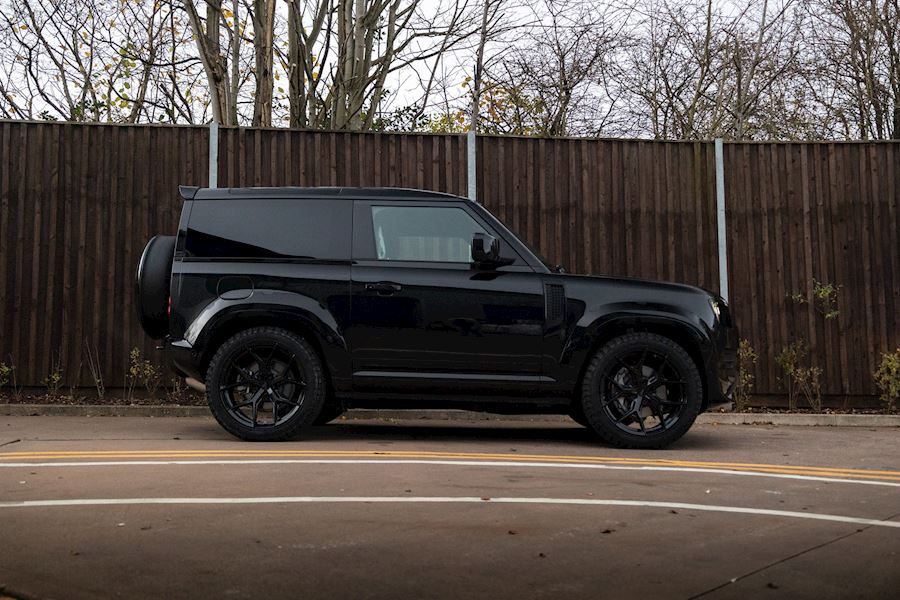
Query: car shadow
(491, 432)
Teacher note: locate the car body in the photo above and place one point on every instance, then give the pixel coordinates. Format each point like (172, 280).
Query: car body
(415, 299)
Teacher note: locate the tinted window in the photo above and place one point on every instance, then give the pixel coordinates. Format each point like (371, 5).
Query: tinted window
(270, 229)
(423, 233)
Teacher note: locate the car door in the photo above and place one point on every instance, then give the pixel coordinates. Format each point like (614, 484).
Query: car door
(422, 314)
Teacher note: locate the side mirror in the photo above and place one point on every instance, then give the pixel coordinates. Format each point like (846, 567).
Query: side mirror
(485, 249)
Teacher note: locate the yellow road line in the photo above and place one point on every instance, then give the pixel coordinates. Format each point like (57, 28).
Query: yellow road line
(180, 454)
(417, 453)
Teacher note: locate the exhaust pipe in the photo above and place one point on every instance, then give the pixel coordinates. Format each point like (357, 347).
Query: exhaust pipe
(195, 385)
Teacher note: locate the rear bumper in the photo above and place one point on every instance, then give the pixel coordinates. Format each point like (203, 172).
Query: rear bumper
(182, 359)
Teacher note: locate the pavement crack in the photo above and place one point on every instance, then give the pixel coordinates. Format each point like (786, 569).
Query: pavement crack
(10, 442)
(787, 558)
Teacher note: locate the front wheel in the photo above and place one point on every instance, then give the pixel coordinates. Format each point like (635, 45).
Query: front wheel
(641, 390)
(264, 384)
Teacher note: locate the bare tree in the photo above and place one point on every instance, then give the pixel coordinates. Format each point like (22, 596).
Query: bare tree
(857, 50)
(309, 23)
(558, 68)
(207, 36)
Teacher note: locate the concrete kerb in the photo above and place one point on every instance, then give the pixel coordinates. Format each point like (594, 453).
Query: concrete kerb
(713, 418)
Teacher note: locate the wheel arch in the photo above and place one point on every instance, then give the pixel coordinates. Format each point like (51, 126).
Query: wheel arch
(320, 332)
(680, 332)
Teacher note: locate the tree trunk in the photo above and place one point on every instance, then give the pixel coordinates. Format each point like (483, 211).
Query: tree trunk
(296, 89)
(263, 30)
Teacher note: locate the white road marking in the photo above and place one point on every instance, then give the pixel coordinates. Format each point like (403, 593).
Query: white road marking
(450, 500)
(467, 463)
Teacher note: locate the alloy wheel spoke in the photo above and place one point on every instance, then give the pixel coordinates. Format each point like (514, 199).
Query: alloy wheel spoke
(631, 371)
(231, 386)
(612, 399)
(662, 368)
(254, 402)
(625, 416)
(257, 358)
(245, 373)
(657, 411)
(640, 365)
(284, 380)
(616, 383)
(279, 399)
(640, 419)
(272, 353)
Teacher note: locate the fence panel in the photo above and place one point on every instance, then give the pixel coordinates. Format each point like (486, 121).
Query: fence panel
(77, 204)
(825, 212)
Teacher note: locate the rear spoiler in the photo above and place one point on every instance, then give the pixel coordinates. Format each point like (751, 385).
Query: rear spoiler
(188, 191)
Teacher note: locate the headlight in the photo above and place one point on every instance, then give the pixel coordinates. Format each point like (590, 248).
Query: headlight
(716, 308)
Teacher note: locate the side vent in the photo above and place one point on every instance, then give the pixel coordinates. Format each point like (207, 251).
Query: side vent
(554, 302)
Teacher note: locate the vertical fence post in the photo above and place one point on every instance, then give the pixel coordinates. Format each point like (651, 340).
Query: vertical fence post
(470, 165)
(720, 219)
(214, 154)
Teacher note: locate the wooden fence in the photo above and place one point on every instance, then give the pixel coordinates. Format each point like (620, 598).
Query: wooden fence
(78, 202)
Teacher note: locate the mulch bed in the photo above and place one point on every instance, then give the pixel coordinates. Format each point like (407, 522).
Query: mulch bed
(188, 398)
(193, 398)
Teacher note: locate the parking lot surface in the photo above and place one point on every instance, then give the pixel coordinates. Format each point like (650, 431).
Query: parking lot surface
(175, 508)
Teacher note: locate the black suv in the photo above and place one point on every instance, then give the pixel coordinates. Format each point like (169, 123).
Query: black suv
(292, 304)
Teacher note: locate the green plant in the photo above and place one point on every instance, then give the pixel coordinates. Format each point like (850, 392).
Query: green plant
(6, 374)
(143, 371)
(53, 380)
(747, 358)
(801, 380)
(887, 378)
(825, 298)
(178, 391)
(11, 375)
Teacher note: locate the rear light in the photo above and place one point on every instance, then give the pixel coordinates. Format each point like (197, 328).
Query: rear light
(169, 307)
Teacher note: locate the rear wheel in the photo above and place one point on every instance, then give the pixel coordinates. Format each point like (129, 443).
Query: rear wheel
(641, 390)
(264, 384)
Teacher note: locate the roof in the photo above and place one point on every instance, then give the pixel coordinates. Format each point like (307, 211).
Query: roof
(195, 193)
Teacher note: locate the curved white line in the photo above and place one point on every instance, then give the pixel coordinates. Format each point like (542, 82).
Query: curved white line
(467, 463)
(450, 500)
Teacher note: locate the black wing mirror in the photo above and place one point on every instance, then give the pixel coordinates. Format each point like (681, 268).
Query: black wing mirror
(486, 251)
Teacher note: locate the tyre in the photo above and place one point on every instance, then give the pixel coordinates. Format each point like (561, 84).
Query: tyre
(331, 411)
(152, 285)
(577, 415)
(265, 384)
(641, 390)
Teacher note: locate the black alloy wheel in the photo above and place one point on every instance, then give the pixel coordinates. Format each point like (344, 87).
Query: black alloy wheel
(641, 390)
(264, 384)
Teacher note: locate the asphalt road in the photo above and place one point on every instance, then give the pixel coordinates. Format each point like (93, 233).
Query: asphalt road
(174, 508)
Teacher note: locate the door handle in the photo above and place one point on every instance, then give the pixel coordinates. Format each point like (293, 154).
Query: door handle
(385, 288)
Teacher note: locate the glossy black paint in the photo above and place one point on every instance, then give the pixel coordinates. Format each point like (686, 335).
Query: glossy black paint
(513, 337)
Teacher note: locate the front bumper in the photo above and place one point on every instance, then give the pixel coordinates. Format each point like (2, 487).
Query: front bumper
(722, 368)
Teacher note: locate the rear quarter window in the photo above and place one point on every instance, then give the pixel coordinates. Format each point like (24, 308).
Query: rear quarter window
(278, 228)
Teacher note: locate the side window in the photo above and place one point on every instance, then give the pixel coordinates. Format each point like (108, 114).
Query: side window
(281, 228)
(423, 233)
